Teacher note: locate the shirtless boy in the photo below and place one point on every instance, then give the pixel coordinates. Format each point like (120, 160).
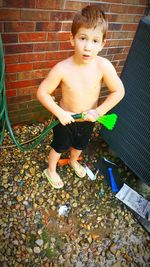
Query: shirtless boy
(80, 77)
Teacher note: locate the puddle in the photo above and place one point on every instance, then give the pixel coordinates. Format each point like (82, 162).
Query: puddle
(59, 224)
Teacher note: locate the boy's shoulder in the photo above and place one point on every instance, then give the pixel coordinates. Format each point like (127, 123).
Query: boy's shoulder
(104, 64)
(104, 61)
(61, 66)
(63, 63)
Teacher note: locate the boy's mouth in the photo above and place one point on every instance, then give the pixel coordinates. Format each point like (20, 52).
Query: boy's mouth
(86, 56)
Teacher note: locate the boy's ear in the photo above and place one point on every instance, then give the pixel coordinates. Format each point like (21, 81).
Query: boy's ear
(71, 39)
(104, 42)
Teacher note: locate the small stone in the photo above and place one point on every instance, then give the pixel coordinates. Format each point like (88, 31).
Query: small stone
(116, 264)
(36, 250)
(39, 242)
(19, 198)
(75, 204)
(113, 248)
(127, 257)
(15, 242)
(89, 239)
(29, 250)
(79, 264)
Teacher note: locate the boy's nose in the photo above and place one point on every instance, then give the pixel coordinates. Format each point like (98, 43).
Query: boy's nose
(88, 46)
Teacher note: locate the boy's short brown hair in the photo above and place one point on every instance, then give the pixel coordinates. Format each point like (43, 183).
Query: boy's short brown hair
(90, 16)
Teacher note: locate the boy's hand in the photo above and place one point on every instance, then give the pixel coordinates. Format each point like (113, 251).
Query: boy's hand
(91, 115)
(65, 117)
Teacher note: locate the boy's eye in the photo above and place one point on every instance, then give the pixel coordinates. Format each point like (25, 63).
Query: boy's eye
(82, 38)
(95, 41)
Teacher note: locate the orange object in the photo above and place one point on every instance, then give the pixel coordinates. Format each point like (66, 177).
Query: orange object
(63, 162)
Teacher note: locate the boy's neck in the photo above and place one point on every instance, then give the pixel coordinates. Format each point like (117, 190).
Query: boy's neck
(77, 62)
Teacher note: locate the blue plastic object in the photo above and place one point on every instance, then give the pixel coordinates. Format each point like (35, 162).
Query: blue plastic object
(112, 181)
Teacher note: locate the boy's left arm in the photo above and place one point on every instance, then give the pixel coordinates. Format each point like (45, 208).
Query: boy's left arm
(116, 92)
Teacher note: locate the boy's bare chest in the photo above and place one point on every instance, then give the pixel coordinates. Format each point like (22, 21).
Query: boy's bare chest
(82, 81)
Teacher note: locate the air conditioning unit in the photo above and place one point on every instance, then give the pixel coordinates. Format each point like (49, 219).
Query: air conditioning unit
(130, 139)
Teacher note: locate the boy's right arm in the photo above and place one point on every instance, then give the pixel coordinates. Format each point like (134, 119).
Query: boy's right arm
(46, 88)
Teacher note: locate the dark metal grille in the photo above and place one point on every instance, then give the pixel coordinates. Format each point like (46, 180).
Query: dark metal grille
(130, 138)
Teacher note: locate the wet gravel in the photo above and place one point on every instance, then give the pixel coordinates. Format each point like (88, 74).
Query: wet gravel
(98, 230)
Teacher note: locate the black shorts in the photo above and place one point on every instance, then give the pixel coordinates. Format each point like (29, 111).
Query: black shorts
(76, 135)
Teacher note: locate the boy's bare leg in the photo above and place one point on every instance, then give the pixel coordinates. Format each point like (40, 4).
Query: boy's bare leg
(79, 169)
(52, 164)
(74, 154)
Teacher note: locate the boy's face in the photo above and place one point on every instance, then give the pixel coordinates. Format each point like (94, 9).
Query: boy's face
(87, 43)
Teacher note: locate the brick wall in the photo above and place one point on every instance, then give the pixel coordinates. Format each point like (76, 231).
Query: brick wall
(35, 35)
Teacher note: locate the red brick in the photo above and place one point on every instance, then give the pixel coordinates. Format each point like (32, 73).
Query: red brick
(115, 63)
(74, 5)
(115, 8)
(66, 26)
(20, 48)
(136, 10)
(112, 18)
(127, 18)
(29, 75)
(12, 108)
(61, 15)
(19, 26)
(58, 55)
(32, 37)
(20, 3)
(9, 14)
(60, 36)
(19, 84)
(108, 35)
(143, 2)
(10, 93)
(18, 99)
(18, 67)
(32, 57)
(137, 18)
(131, 35)
(114, 50)
(45, 47)
(63, 36)
(113, 1)
(111, 43)
(126, 50)
(26, 91)
(48, 26)
(65, 46)
(55, 4)
(10, 77)
(135, 2)
(35, 15)
(119, 35)
(11, 59)
(1, 27)
(120, 56)
(10, 38)
(121, 63)
(44, 65)
(125, 43)
(103, 52)
(129, 27)
(119, 69)
(115, 26)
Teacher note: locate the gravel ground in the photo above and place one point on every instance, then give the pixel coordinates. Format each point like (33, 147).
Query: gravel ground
(98, 229)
